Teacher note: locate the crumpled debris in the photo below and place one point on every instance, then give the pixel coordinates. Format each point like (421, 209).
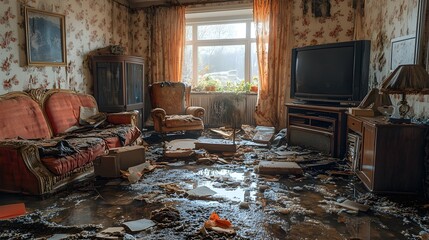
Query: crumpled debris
(218, 225)
(136, 172)
(165, 215)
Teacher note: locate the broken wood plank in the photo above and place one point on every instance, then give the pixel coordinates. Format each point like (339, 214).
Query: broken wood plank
(216, 145)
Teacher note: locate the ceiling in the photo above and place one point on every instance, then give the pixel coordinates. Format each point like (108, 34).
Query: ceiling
(148, 3)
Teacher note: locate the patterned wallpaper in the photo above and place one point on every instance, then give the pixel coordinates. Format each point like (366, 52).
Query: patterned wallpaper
(89, 25)
(385, 20)
(95, 24)
(310, 30)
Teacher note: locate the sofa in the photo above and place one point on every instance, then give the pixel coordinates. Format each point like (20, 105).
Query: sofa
(39, 155)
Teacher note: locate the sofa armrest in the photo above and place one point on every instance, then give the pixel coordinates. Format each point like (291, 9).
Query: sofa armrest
(123, 118)
(195, 111)
(21, 169)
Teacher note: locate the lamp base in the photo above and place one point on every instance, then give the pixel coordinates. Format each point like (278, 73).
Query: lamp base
(399, 120)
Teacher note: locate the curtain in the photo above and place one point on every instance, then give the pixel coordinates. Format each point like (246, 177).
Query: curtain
(167, 42)
(274, 43)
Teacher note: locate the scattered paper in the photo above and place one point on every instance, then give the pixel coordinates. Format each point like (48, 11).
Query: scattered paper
(139, 225)
(202, 191)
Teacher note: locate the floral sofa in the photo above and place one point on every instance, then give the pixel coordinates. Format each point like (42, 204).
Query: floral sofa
(38, 155)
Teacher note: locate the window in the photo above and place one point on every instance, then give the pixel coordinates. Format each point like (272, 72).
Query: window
(220, 51)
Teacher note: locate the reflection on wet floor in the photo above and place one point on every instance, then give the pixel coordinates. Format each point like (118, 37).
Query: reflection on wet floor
(259, 207)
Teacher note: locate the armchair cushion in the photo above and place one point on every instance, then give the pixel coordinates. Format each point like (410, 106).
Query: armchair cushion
(174, 121)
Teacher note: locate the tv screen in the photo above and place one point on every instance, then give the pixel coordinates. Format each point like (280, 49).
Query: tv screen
(336, 73)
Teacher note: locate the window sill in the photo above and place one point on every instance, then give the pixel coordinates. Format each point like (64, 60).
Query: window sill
(215, 92)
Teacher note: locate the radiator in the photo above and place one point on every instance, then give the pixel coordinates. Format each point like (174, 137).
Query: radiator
(218, 113)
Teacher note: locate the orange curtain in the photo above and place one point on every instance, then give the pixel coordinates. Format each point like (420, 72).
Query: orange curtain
(167, 39)
(273, 39)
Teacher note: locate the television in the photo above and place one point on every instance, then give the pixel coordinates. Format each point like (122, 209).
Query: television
(335, 73)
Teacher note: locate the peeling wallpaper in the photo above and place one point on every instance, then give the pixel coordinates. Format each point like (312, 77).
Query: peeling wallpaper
(385, 20)
(89, 25)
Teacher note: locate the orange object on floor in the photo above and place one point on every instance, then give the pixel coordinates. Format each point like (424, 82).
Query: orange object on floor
(12, 210)
(216, 221)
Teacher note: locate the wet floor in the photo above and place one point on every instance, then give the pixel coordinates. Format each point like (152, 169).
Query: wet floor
(259, 207)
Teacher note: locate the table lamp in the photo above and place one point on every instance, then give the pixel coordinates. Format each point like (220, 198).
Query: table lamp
(406, 79)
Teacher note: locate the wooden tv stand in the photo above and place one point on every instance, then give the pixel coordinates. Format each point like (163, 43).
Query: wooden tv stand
(322, 128)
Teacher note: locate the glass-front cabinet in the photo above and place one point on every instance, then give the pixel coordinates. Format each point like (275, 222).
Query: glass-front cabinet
(119, 83)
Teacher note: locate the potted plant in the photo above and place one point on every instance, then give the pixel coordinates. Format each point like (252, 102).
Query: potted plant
(254, 85)
(210, 84)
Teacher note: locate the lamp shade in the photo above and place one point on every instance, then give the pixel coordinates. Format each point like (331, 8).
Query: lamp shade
(408, 79)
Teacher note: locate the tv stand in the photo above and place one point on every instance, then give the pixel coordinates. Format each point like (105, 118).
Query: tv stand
(323, 128)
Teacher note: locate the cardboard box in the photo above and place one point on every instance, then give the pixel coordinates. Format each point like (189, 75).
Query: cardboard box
(119, 159)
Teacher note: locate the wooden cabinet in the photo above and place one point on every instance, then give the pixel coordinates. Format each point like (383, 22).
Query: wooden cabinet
(319, 127)
(391, 155)
(119, 84)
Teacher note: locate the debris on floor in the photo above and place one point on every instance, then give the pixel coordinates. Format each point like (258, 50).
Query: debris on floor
(215, 223)
(319, 197)
(12, 210)
(200, 192)
(263, 134)
(179, 148)
(139, 225)
(272, 167)
(354, 206)
(136, 172)
(216, 145)
(165, 215)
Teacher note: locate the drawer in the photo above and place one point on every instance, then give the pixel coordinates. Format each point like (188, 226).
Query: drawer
(354, 124)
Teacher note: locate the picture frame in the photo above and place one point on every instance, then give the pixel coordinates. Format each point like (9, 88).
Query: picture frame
(45, 38)
(402, 51)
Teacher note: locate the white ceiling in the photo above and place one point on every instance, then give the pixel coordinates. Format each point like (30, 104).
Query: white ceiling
(148, 3)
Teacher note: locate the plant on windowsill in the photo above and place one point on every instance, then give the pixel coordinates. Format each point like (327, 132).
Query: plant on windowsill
(208, 84)
(254, 85)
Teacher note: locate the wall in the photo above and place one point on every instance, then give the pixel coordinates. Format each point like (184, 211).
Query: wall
(383, 21)
(310, 30)
(89, 25)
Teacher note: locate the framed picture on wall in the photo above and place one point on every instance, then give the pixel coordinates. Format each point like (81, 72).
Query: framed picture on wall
(402, 51)
(45, 38)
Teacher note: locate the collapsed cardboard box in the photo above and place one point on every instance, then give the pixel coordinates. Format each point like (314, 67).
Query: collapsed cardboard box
(122, 158)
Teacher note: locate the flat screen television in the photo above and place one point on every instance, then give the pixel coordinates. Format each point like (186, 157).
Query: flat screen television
(335, 73)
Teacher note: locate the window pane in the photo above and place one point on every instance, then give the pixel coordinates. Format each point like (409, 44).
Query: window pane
(252, 30)
(254, 70)
(223, 64)
(222, 31)
(188, 33)
(187, 65)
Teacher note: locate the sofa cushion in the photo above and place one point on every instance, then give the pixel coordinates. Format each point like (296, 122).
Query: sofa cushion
(71, 154)
(117, 136)
(63, 109)
(21, 116)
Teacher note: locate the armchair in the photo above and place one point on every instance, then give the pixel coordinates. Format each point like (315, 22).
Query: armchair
(170, 108)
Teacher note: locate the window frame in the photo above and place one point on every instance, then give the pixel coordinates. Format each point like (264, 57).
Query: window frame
(220, 19)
